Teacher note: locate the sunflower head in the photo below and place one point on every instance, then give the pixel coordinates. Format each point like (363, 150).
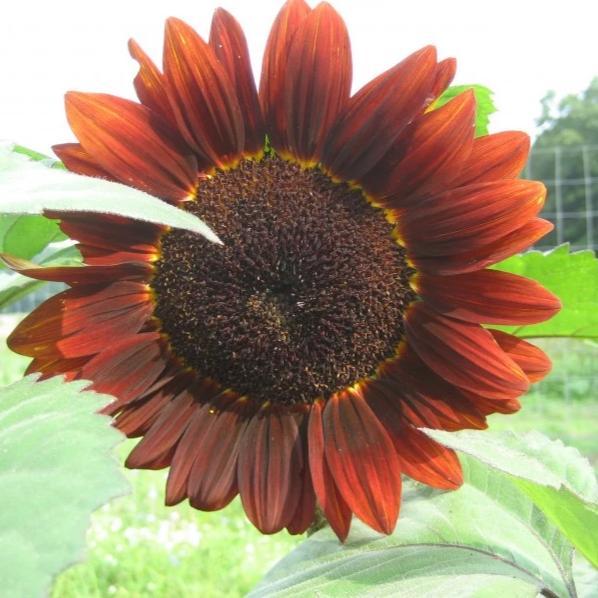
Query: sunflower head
(350, 301)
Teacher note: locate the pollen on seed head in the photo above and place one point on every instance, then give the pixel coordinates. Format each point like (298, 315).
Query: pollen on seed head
(305, 297)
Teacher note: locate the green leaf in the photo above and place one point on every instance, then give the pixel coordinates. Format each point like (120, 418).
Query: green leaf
(29, 187)
(56, 467)
(489, 538)
(559, 481)
(38, 156)
(484, 104)
(573, 277)
(26, 236)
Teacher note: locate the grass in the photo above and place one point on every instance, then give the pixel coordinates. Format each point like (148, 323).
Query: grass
(137, 547)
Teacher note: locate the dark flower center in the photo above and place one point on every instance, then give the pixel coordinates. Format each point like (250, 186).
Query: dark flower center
(306, 296)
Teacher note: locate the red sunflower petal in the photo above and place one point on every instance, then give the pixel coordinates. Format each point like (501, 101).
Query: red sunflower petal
(464, 354)
(82, 321)
(317, 84)
(440, 144)
(184, 457)
(485, 255)
(468, 218)
(213, 476)
(155, 449)
(110, 240)
(335, 509)
(135, 419)
(76, 159)
(306, 508)
(127, 367)
(131, 143)
(377, 114)
(532, 360)
(422, 458)
(445, 72)
(269, 470)
(202, 96)
(362, 459)
(274, 66)
(375, 182)
(487, 297)
(494, 157)
(230, 48)
(79, 274)
(405, 387)
(150, 84)
(426, 461)
(51, 365)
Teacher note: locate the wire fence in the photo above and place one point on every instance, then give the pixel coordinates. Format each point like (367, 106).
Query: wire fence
(571, 176)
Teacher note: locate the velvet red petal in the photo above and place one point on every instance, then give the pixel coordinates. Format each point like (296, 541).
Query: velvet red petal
(376, 181)
(132, 143)
(135, 419)
(421, 458)
(186, 451)
(407, 387)
(82, 321)
(362, 459)
(445, 72)
(150, 85)
(426, 461)
(110, 240)
(335, 509)
(202, 96)
(532, 360)
(494, 157)
(464, 354)
(230, 48)
(306, 509)
(468, 218)
(213, 476)
(269, 468)
(50, 365)
(317, 83)
(274, 66)
(76, 159)
(440, 144)
(485, 255)
(156, 448)
(377, 114)
(73, 275)
(127, 367)
(488, 297)
(184, 457)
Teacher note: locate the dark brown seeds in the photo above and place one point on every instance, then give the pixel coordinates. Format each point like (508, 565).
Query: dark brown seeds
(307, 295)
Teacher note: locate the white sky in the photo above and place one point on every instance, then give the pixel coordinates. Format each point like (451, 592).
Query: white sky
(520, 49)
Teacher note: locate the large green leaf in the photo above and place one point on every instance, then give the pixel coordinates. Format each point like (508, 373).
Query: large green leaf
(29, 187)
(573, 277)
(484, 104)
(489, 538)
(56, 467)
(560, 482)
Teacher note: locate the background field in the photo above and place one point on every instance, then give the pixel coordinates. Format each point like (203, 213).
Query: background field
(138, 547)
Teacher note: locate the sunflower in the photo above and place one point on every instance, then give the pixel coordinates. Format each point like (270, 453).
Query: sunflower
(295, 363)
